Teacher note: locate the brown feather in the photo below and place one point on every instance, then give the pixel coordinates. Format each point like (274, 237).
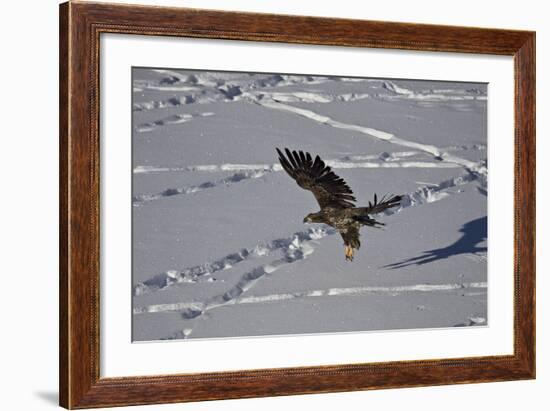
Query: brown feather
(329, 189)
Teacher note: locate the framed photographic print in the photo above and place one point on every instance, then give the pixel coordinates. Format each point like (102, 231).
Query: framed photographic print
(256, 205)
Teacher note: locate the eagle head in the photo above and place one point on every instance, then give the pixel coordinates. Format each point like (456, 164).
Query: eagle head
(308, 218)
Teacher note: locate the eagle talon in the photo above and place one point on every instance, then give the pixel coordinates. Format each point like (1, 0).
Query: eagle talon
(349, 253)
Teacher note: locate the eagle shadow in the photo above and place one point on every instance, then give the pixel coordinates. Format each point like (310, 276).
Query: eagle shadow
(473, 233)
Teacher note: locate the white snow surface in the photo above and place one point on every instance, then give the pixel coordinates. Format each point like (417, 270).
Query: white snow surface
(219, 246)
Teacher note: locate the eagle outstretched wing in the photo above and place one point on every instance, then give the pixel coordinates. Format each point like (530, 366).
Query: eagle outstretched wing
(315, 176)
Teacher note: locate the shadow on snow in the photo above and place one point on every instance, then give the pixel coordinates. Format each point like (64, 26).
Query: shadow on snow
(473, 233)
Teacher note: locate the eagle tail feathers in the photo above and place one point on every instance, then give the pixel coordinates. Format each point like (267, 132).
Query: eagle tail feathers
(387, 201)
(368, 221)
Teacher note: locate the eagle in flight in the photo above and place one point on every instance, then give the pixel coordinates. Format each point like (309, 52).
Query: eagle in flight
(334, 197)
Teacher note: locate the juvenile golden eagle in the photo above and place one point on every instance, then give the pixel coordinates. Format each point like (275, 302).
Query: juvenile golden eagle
(334, 197)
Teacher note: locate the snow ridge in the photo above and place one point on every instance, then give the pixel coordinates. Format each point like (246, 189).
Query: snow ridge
(436, 152)
(191, 310)
(335, 164)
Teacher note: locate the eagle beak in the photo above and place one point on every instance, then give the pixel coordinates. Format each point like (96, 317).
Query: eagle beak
(307, 220)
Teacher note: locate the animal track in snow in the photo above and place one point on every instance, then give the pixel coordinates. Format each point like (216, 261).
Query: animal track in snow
(139, 199)
(293, 248)
(432, 192)
(175, 119)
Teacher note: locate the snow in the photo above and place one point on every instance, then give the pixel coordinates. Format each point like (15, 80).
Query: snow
(219, 246)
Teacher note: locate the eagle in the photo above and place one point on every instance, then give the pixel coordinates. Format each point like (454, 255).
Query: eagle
(334, 197)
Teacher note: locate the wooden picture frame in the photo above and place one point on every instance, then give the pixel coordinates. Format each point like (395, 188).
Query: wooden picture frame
(80, 27)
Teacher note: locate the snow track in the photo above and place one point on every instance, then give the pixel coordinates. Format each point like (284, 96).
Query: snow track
(174, 119)
(192, 310)
(294, 248)
(170, 192)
